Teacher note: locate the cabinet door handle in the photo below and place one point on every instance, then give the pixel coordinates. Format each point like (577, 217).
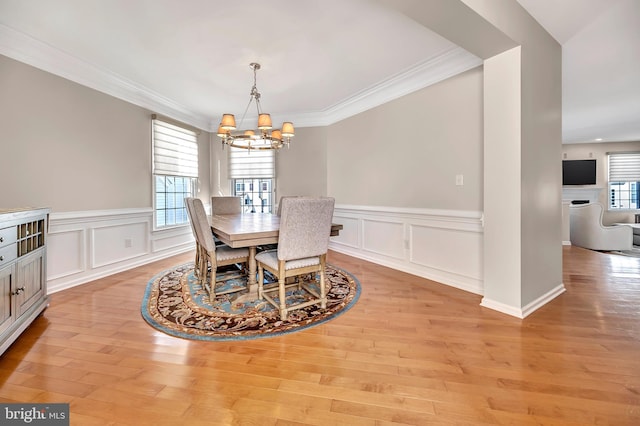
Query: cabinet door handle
(1, 258)
(18, 291)
(1, 239)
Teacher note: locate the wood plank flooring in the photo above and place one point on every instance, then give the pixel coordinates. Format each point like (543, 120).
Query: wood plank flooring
(411, 351)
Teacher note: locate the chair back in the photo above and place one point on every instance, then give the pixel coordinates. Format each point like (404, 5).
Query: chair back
(204, 235)
(305, 227)
(280, 203)
(226, 205)
(188, 202)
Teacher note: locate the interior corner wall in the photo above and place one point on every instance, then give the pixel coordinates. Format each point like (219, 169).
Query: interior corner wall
(407, 153)
(302, 168)
(72, 148)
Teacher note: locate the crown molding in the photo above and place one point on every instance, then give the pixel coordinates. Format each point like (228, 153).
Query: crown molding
(426, 73)
(31, 51)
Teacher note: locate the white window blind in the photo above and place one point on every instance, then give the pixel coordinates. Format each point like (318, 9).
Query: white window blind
(175, 150)
(245, 164)
(624, 167)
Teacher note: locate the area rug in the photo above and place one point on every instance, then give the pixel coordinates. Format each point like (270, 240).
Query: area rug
(176, 304)
(634, 252)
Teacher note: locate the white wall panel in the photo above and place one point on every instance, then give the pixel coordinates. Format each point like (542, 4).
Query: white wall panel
(118, 242)
(350, 232)
(447, 250)
(65, 253)
(170, 239)
(84, 246)
(383, 237)
(442, 245)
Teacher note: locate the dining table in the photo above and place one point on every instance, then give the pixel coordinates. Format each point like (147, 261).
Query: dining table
(251, 230)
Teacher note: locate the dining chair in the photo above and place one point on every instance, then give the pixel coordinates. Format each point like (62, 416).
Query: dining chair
(226, 205)
(303, 241)
(215, 256)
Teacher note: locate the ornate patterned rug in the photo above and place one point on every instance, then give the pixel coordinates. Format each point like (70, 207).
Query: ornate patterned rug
(177, 304)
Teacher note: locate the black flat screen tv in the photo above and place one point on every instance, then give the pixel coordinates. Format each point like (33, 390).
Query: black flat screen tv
(579, 172)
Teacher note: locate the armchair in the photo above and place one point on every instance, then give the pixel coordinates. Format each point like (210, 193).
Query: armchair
(586, 230)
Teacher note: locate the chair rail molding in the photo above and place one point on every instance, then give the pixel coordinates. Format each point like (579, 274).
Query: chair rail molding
(440, 245)
(87, 245)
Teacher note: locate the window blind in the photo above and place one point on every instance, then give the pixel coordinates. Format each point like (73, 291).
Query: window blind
(175, 150)
(245, 164)
(624, 167)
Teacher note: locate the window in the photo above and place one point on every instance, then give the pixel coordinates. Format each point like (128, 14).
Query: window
(175, 172)
(624, 181)
(253, 172)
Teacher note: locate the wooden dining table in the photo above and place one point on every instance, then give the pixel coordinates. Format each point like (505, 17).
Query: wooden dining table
(251, 230)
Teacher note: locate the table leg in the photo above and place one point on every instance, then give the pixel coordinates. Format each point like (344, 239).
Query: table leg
(252, 283)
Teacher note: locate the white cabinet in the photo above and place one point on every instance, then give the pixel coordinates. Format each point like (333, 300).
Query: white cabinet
(23, 284)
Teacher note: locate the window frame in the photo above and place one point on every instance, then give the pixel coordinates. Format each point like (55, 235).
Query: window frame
(174, 155)
(249, 172)
(623, 169)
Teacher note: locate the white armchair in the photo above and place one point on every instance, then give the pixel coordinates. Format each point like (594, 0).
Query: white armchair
(586, 230)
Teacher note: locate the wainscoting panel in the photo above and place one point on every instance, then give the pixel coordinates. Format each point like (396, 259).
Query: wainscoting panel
(441, 245)
(467, 246)
(384, 238)
(65, 253)
(119, 242)
(350, 233)
(84, 246)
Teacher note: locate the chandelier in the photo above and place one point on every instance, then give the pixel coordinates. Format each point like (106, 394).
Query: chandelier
(265, 137)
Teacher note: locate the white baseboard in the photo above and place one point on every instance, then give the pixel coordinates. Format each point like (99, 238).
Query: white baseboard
(529, 308)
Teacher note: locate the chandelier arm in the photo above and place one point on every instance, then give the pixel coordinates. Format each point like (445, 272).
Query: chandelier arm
(244, 114)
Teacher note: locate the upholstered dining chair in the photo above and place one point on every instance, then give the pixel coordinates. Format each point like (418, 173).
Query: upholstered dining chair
(213, 255)
(303, 241)
(226, 205)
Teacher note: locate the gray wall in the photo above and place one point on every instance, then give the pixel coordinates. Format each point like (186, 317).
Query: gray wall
(71, 148)
(302, 169)
(407, 152)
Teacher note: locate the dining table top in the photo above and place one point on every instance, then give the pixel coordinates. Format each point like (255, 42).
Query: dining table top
(250, 229)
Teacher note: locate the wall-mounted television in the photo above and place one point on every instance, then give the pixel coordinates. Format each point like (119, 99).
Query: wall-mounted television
(579, 172)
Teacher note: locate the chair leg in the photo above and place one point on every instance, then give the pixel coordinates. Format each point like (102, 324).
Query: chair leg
(323, 296)
(196, 270)
(260, 282)
(282, 290)
(212, 287)
(201, 260)
(282, 294)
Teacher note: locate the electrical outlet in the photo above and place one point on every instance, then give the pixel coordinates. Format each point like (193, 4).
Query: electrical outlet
(459, 180)
(128, 243)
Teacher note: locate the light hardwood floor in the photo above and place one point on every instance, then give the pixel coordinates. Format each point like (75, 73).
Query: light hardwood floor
(411, 351)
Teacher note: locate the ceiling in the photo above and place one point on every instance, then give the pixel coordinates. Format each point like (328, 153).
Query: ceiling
(321, 61)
